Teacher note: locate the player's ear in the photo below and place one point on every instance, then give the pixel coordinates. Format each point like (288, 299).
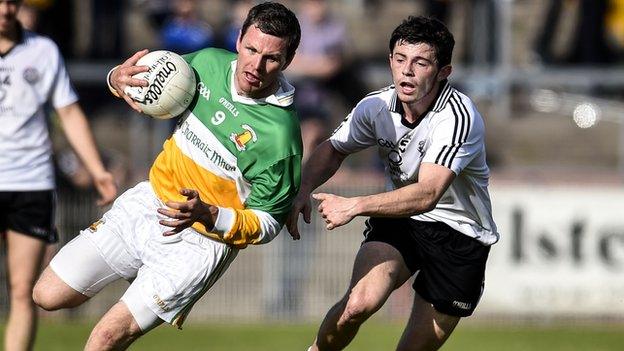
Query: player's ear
(445, 72)
(289, 61)
(238, 41)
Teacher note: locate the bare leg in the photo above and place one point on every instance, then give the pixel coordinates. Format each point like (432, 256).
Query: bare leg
(115, 331)
(52, 293)
(378, 270)
(24, 257)
(427, 329)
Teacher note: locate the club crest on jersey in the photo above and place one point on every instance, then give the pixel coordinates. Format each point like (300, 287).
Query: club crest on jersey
(31, 75)
(241, 139)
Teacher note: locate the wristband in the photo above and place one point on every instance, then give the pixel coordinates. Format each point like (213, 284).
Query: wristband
(108, 82)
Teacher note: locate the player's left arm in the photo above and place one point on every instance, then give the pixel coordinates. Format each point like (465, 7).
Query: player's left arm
(271, 197)
(76, 128)
(420, 197)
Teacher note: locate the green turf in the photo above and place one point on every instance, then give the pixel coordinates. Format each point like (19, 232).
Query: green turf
(372, 337)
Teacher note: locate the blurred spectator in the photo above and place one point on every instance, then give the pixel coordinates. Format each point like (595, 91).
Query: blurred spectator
(615, 23)
(185, 31)
(157, 11)
(589, 45)
(234, 22)
(28, 15)
(319, 60)
(106, 28)
(590, 40)
(439, 9)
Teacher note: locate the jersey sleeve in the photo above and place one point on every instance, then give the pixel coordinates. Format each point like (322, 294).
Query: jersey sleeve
(356, 131)
(62, 93)
(457, 138)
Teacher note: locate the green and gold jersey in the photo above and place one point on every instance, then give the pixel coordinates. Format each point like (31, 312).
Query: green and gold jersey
(241, 154)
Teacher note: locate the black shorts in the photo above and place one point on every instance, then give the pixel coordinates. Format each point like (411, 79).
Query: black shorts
(450, 265)
(30, 213)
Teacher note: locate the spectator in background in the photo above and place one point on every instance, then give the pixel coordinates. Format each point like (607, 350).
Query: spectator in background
(319, 60)
(589, 44)
(185, 31)
(439, 9)
(106, 28)
(28, 15)
(34, 77)
(231, 29)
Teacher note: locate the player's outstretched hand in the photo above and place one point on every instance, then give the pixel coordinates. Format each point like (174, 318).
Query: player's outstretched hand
(184, 214)
(335, 210)
(106, 187)
(121, 77)
(300, 205)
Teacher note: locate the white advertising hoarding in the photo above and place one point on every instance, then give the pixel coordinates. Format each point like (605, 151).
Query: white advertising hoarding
(561, 251)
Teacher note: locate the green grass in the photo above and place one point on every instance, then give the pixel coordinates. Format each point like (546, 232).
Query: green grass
(372, 337)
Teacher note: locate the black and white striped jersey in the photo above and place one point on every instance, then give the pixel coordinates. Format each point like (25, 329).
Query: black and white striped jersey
(33, 78)
(450, 134)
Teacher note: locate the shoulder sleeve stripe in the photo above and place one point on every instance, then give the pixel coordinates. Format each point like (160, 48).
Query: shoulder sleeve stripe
(460, 131)
(443, 99)
(380, 91)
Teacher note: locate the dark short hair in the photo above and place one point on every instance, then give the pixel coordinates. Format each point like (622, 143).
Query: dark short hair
(429, 31)
(277, 20)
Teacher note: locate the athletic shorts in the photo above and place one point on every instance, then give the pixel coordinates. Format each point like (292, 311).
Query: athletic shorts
(30, 213)
(449, 266)
(168, 274)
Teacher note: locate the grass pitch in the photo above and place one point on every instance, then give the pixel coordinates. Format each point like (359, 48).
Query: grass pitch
(373, 336)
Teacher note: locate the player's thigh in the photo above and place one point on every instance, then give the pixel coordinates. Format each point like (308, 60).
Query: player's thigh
(24, 256)
(377, 271)
(77, 272)
(427, 329)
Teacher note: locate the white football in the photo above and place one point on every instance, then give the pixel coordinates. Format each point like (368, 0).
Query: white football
(171, 85)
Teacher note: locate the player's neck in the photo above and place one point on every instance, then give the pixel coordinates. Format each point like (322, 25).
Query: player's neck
(9, 38)
(416, 109)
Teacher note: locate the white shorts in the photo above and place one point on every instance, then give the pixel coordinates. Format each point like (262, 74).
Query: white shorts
(168, 274)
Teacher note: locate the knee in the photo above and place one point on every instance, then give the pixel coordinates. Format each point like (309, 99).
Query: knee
(104, 339)
(109, 338)
(48, 298)
(21, 294)
(43, 299)
(358, 307)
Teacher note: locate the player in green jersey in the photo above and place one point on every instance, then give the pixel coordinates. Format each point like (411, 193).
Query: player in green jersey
(225, 179)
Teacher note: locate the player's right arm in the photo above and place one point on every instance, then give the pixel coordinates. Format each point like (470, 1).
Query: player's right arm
(353, 134)
(322, 165)
(120, 77)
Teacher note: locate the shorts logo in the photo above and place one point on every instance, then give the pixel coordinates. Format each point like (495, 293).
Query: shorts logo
(241, 139)
(462, 305)
(160, 303)
(39, 231)
(94, 227)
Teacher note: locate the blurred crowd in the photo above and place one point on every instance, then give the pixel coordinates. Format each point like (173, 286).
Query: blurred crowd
(340, 39)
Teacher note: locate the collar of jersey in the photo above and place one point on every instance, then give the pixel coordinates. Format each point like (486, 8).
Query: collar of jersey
(284, 96)
(436, 105)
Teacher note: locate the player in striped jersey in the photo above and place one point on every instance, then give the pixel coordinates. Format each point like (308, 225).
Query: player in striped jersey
(225, 179)
(435, 219)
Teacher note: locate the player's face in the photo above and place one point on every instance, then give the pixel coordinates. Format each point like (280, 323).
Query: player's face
(415, 71)
(261, 57)
(8, 15)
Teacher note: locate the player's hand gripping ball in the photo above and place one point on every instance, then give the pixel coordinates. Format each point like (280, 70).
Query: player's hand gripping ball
(171, 85)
